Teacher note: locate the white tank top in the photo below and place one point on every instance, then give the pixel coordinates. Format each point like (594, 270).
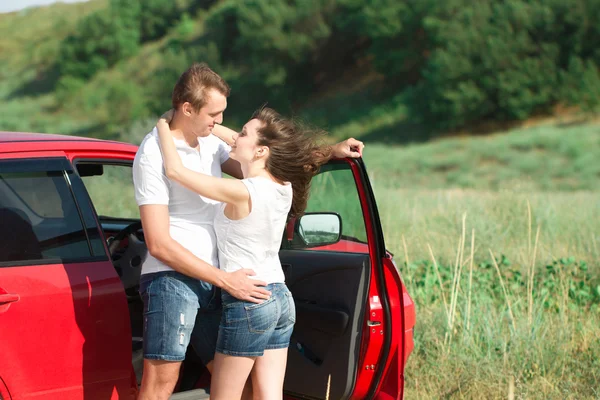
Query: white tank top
(253, 241)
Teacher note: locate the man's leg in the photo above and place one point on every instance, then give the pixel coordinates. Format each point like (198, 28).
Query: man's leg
(206, 327)
(204, 336)
(170, 308)
(159, 379)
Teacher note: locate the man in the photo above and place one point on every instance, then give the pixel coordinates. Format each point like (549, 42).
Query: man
(179, 275)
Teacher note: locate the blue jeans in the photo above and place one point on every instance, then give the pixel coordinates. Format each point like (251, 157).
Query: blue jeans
(179, 310)
(248, 329)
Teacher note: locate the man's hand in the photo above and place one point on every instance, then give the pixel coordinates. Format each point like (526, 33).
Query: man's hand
(239, 285)
(348, 148)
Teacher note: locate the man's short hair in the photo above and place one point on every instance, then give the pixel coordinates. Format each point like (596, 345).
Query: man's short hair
(195, 83)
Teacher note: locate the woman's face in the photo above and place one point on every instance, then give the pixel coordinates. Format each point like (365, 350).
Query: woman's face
(245, 148)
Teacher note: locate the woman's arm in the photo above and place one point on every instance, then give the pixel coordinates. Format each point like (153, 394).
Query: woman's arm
(225, 190)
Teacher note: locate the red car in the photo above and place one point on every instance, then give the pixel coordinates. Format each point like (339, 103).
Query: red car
(71, 248)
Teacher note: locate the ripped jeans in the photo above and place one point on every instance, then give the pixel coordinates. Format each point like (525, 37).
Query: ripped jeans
(179, 310)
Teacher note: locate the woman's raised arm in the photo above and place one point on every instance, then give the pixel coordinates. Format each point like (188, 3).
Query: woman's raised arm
(225, 190)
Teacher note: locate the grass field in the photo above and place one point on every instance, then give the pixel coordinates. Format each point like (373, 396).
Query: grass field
(530, 328)
(542, 333)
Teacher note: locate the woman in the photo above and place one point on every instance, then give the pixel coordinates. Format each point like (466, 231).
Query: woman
(278, 161)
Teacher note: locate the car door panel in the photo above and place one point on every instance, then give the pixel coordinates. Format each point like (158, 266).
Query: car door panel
(329, 291)
(63, 338)
(349, 338)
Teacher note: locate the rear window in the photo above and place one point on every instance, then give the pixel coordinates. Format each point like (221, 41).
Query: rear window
(41, 221)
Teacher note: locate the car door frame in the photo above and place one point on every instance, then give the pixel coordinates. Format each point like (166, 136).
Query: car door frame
(385, 309)
(124, 158)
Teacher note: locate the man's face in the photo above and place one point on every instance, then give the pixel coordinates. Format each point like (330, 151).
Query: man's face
(203, 121)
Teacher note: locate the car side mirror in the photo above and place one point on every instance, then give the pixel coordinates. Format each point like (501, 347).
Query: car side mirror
(84, 169)
(318, 229)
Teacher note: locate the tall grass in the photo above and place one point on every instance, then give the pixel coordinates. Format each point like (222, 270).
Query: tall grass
(569, 223)
(544, 158)
(507, 290)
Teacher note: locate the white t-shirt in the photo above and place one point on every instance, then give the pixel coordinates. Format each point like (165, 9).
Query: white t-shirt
(253, 241)
(191, 216)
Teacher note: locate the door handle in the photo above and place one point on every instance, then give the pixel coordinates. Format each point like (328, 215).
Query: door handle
(9, 298)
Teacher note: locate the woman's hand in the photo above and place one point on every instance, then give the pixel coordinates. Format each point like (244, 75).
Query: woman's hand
(348, 148)
(167, 116)
(171, 159)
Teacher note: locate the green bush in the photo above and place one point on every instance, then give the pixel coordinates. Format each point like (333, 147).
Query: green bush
(101, 40)
(156, 18)
(269, 46)
(125, 102)
(66, 87)
(581, 85)
(502, 60)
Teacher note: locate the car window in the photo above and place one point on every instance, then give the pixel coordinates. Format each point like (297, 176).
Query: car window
(333, 193)
(41, 221)
(38, 193)
(110, 187)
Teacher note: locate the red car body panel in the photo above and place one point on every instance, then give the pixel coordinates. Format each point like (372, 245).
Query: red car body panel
(86, 348)
(90, 354)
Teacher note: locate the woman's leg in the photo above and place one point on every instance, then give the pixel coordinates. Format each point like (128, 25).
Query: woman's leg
(268, 375)
(247, 394)
(229, 376)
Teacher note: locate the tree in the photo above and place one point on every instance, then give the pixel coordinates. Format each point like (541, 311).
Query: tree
(101, 40)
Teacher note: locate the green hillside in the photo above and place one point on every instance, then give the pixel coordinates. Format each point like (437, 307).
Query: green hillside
(547, 157)
(387, 73)
(29, 44)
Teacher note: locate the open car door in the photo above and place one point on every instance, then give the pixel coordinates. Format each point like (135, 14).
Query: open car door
(349, 337)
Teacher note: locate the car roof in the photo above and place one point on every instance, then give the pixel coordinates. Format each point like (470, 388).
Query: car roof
(24, 141)
(36, 137)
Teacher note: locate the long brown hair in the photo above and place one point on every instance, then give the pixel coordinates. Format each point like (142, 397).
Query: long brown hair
(295, 153)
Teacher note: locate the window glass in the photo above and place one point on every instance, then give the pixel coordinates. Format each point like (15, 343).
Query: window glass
(333, 192)
(40, 219)
(39, 192)
(111, 189)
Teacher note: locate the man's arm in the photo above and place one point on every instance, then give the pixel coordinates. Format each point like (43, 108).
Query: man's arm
(224, 133)
(155, 222)
(231, 167)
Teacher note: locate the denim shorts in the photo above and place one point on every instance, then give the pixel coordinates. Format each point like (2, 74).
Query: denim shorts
(248, 329)
(179, 310)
